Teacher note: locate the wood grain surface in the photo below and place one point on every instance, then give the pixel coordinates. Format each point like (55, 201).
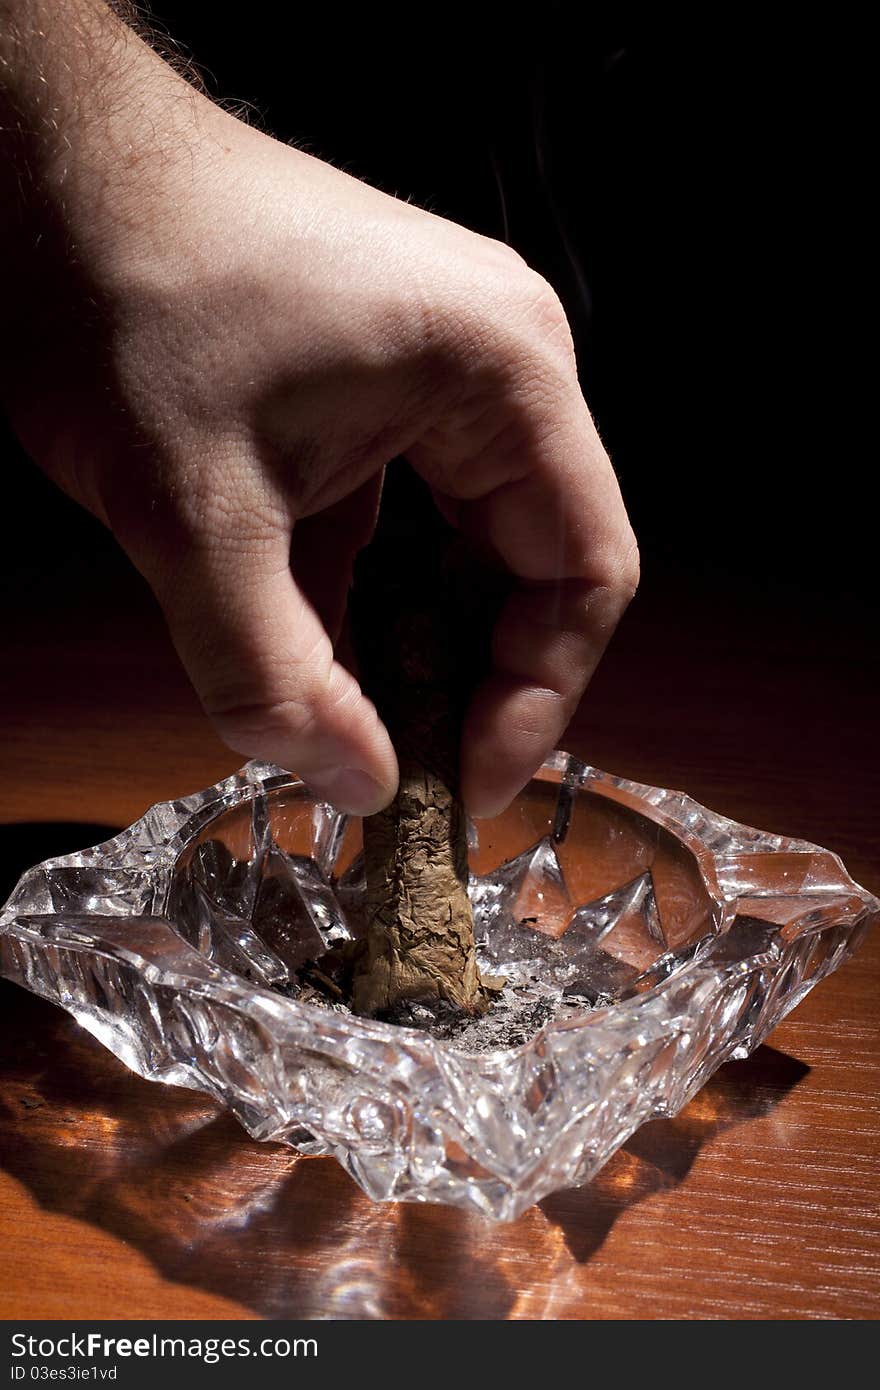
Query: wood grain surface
(120, 1198)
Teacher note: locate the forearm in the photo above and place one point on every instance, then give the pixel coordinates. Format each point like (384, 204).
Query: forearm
(90, 118)
(56, 58)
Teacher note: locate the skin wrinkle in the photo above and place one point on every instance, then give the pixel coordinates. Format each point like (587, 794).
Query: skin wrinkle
(519, 550)
(300, 712)
(536, 545)
(518, 652)
(313, 666)
(539, 668)
(247, 722)
(548, 323)
(534, 695)
(461, 425)
(204, 526)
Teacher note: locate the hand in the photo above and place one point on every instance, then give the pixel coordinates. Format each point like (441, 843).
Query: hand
(226, 343)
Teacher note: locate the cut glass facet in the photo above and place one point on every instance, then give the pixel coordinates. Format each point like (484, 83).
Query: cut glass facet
(643, 941)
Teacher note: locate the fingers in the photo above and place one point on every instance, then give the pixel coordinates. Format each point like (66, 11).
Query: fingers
(546, 645)
(262, 664)
(563, 530)
(530, 478)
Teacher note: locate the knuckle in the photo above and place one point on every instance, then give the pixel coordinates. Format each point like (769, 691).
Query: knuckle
(258, 722)
(543, 311)
(254, 728)
(502, 321)
(619, 572)
(630, 570)
(507, 258)
(530, 336)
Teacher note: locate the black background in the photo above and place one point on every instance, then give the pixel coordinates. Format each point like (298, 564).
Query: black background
(693, 190)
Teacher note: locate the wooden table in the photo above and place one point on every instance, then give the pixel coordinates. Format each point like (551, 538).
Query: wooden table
(119, 1198)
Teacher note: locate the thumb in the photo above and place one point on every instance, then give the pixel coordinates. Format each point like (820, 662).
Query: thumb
(263, 667)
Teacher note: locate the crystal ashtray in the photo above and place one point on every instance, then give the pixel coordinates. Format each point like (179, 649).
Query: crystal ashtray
(643, 939)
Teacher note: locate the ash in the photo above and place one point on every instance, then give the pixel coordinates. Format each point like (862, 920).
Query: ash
(516, 1014)
(514, 1017)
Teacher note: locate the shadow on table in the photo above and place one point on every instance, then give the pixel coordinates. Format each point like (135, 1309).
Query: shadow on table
(661, 1154)
(284, 1235)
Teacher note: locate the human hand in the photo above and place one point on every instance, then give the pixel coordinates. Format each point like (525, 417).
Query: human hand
(225, 342)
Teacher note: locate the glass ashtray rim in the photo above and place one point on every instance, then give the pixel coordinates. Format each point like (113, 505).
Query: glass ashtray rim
(194, 813)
